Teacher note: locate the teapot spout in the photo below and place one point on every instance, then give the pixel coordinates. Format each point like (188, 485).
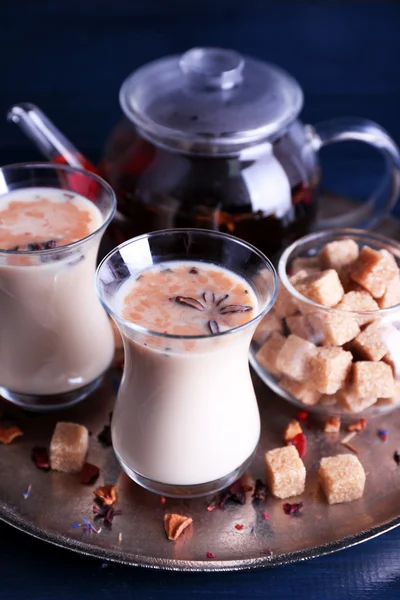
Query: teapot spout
(47, 138)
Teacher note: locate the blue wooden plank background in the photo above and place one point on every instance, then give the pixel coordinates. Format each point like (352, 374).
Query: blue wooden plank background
(70, 58)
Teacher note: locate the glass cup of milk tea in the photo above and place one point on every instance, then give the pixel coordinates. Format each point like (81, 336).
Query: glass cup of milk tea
(186, 301)
(56, 340)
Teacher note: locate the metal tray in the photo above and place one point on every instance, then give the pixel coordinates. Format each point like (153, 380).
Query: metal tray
(57, 500)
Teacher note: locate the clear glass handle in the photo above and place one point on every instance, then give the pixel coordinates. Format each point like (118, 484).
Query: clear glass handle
(384, 198)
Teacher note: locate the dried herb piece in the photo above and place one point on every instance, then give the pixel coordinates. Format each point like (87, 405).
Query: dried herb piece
(358, 425)
(265, 516)
(27, 493)
(300, 443)
(396, 457)
(213, 327)
(292, 509)
(302, 415)
(332, 425)
(235, 308)
(40, 457)
(163, 499)
(292, 429)
(239, 526)
(260, 491)
(190, 302)
(8, 434)
(107, 513)
(193, 271)
(175, 524)
(235, 494)
(104, 436)
(88, 474)
(107, 494)
(210, 555)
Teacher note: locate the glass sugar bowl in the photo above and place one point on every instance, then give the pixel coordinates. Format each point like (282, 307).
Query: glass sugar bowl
(331, 345)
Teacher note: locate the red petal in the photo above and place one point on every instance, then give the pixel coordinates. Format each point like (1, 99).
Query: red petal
(40, 457)
(300, 443)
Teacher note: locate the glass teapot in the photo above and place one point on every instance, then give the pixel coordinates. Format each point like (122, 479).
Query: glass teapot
(211, 139)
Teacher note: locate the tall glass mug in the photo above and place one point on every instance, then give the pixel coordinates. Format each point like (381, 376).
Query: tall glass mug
(186, 421)
(56, 341)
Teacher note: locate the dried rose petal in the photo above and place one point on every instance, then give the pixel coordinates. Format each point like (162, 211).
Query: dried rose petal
(383, 434)
(396, 457)
(175, 524)
(107, 494)
(265, 516)
(292, 429)
(8, 434)
(300, 443)
(239, 526)
(235, 493)
(210, 555)
(88, 474)
(104, 436)
(40, 457)
(292, 509)
(302, 415)
(163, 499)
(260, 491)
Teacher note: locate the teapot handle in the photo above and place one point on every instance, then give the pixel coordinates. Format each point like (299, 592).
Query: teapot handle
(384, 198)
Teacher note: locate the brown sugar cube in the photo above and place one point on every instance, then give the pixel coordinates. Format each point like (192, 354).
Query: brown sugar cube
(270, 323)
(292, 429)
(268, 352)
(299, 325)
(293, 357)
(332, 425)
(332, 328)
(342, 478)
(337, 255)
(328, 369)
(359, 301)
(300, 390)
(373, 270)
(352, 402)
(372, 380)
(68, 447)
(322, 288)
(285, 472)
(392, 295)
(286, 304)
(308, 264)
(376, 340)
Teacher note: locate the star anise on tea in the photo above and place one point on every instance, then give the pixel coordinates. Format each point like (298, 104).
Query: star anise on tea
(213, 306)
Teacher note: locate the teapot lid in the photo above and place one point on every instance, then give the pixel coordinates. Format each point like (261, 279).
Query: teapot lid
(210, 101)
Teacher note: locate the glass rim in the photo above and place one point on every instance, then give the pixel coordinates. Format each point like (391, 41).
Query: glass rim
(207, 233)
(356, 234)
(72, 170)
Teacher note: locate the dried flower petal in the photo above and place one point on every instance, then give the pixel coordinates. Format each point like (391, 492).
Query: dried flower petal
(175, 524)
(396, 457)
(265, 516)
(88, 474)
(292, 429)
(107, 513)
(302, 415)
(27, 493)
(210, 555)
(211, 507)
(163, 499)
(104, 436)
(107, 494)
(8, 434)
(235, 493)
(260, 490)
(300, 443)
(358, 425)
(383, 434)
(239, 526)
(40, 457)
(292, 509)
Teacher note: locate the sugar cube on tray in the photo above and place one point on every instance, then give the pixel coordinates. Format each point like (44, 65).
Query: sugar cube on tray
(68, 447)
(342, 478)
(285, 472)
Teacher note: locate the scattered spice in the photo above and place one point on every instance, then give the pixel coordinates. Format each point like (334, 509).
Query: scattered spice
(120, 537)
(332, 425)
(40, 457)
(292, 509)
(211, 507)
(383, 434)
(107, 513)
(26, 494)
(358, 425)
(89, 528)
(396, 457)
(107, 494)
(8, 434)
(239, 526)
(292, 429)
(260, 491)
(235, 494)
(213, 306)
(88, 474)
(346, 441)
(210, 555)
(265, 516)
(300, 443)
(163, 499)
(193, 271)
(302, 415)
(175, 524)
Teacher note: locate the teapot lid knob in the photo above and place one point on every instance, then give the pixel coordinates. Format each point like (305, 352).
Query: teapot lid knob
(212, 68)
